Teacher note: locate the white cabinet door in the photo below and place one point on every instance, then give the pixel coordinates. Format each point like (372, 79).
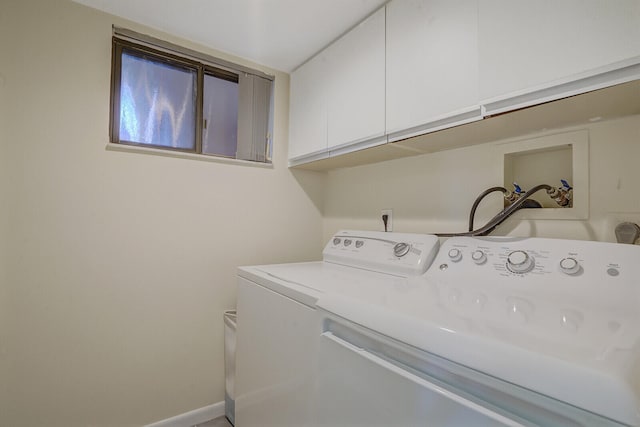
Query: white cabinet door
(527, 46)
(432, 65)
(308, 108)
(357, 79)
(337, 98)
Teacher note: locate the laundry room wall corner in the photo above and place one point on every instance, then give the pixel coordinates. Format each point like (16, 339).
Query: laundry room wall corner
(313, 183)
(5, 242)
(122, 263)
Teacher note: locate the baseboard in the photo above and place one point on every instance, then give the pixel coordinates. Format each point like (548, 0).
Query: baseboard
(192, 418)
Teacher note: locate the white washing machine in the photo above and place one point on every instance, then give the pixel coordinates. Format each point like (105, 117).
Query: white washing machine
(536, 331)
(497, 332)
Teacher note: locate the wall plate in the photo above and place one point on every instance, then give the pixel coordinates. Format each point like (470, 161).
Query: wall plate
(545, 151)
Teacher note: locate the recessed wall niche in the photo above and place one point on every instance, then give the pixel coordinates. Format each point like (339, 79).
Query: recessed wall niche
(547, 160)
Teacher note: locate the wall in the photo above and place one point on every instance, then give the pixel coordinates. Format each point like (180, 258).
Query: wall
(4, 220)
(434, 192)
(122, 263)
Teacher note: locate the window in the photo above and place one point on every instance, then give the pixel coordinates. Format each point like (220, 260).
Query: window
(167, 97)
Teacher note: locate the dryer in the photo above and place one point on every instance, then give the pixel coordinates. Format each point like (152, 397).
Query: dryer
(279, 329)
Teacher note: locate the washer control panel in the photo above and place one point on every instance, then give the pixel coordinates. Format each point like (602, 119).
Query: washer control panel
(403, 254)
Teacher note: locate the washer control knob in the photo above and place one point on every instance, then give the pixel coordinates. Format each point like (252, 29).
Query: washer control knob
(520, 262)
(569, 266)
(479, 257)
(347, 242)
(401, 249)
(336, 240)
(455, 254)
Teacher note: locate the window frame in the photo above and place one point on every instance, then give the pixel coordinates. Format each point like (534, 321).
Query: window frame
(146, 47)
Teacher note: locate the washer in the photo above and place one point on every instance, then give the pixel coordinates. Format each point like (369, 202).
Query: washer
(536, 331)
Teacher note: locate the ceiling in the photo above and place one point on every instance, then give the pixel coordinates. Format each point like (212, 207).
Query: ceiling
(280, 34)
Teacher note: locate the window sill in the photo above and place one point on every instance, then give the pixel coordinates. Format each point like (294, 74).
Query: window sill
(182, 155)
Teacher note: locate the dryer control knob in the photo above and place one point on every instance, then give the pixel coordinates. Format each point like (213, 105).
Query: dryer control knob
(479, 257)
(401, 249)
(520, 262)
(455, 254)
(569, 266)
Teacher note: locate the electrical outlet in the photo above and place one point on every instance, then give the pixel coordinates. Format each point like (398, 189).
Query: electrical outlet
(389, 213)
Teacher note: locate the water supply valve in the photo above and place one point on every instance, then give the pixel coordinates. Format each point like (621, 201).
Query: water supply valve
(515, 195)
(517, 189)
(563, 196)
(568, 192)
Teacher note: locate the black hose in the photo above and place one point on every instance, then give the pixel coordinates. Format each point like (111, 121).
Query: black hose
(501, 216)
(482, 195)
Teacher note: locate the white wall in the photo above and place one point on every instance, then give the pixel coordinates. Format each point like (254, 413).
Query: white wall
(121, 263)
(434, 192)
(5, 175)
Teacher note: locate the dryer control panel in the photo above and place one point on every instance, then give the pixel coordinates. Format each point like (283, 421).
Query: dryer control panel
(531, 259)
(403, 254)
(553, 286)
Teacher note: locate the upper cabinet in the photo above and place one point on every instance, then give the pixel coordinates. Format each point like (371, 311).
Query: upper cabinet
(536, 51)
(308, 108)
(356, 89)
(418, 66)
(337, 98)
(432, 65)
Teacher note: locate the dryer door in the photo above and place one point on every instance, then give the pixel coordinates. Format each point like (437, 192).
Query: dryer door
(275, 356)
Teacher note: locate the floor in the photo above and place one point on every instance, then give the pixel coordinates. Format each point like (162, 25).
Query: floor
(216, 422)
